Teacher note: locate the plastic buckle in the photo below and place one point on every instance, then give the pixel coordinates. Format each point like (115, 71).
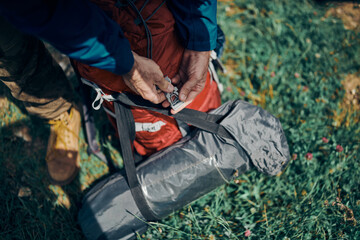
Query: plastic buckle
(173, 97)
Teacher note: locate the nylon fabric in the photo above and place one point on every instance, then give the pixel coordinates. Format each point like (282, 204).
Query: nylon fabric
(263, 138)
(257, 141)
(125, 124)
(201, 120)
(190, 168)
(109, 211)
(167, 53)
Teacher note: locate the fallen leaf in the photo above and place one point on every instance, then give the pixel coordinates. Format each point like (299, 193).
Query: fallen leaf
(24, 192)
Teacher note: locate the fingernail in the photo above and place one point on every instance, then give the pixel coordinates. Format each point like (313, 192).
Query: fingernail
(182, 97)
(170, 88)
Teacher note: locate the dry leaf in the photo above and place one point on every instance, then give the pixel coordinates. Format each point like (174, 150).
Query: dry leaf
(23, 133)
(24, 192)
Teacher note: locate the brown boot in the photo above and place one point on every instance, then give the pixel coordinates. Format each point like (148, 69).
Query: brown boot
(62, 158)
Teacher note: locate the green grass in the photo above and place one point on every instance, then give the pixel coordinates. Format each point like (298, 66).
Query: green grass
(314, 198)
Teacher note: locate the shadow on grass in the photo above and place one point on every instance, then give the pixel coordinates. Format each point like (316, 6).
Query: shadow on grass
(28, 206)
(32, 208)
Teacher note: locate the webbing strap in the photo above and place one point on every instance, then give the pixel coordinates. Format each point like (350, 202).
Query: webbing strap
(205, 121)
(202, 120)
(126, 131)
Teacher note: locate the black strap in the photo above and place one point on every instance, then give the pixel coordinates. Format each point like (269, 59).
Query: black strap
(126, 130)
(205, 121)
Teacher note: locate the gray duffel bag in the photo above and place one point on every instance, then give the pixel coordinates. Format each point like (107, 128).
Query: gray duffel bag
(233, 138)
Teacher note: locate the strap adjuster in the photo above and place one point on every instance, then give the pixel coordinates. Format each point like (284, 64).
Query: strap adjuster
(100, 95)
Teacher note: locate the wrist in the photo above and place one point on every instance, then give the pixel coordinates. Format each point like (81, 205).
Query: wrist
(131, 71)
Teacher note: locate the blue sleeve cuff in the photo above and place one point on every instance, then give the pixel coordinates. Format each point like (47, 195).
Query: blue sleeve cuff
(196, 23)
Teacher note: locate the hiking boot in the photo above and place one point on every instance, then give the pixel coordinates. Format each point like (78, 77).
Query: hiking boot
(62, 157)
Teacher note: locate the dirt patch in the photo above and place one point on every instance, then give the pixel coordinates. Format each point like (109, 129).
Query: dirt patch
(349, 113)
(352, 91)
(349, 13)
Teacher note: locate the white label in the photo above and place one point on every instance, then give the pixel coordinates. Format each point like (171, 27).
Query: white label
(149, 127)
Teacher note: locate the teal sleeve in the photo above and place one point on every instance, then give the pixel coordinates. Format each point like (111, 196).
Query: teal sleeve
(76, 28)
(196, 23)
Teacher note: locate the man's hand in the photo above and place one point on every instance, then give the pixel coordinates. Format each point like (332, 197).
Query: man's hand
(191, 77)
(143, 78)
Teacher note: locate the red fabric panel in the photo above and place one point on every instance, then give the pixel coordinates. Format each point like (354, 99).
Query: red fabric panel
(167, 53)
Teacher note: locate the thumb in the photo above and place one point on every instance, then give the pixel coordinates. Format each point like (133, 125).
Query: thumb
(185, 90)
(163, 84)
(191, 89)
(175, 80)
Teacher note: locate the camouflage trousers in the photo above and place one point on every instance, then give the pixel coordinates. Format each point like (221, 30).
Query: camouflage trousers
(32, 75)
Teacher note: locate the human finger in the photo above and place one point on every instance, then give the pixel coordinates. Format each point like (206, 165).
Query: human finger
(195, 86)
(165, 104)
(154, 95)
(163, 84)
(175, 80)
